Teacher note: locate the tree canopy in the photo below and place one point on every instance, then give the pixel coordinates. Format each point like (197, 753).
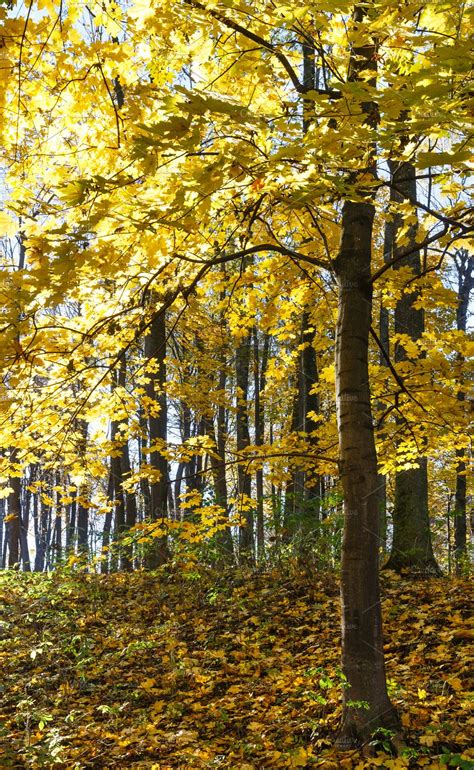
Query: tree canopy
(235, 278)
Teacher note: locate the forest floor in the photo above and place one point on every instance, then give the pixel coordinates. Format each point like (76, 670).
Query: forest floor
(216, 670)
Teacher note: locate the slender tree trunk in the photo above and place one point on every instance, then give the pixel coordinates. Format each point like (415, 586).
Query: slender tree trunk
(142, 442)
(465, 268)
(25, 524)
(384, 336)
(246, 539)
(155, 350)
(71, 526)
(224, 538)
(2, 531)
(42, 537)
(260, 372)
(3, 555)
(125, 472)
(82, 527)
(411, 545)
(104, 567)
(14, 521)
(362, 641)
(313, 486)
(294, 486)
(117, 496)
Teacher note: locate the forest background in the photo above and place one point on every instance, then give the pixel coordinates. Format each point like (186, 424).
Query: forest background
(235, 277)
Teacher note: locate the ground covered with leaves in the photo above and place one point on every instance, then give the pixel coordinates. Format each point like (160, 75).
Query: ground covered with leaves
(219, 671)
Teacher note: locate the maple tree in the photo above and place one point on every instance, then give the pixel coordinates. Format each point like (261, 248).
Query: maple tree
(204, 206)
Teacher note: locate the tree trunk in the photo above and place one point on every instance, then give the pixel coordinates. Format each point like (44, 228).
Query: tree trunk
(246, 539)
(43, 517)
(82, 510)
(71, 524)
(224, 537)
(384, 336)
(309, 368)
(155, 350)
(260, 372)
(118, 498)
(104, 567)
(14, 520)
(362, 641)
(2, 531)
(290, 509)
(412, 548)
(125, 472)
(465, 267)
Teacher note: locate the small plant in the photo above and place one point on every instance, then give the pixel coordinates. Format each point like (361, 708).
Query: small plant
(358, 704)
(382, 739)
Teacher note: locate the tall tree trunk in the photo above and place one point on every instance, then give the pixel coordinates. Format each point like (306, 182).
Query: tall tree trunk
(384, 336)
(303, 492)
(218, 466)
(362, 641)
(411, 545)
(142, 443)
(125, 472)
(43, 516)
(465, 268)
(260, 373)
(71, 524)
(82, 510)
(104, 567)
(242, 362)
(293, 484)
(2, 531)
(155, 350)
(14, 520)
(313, 487)
(117, 496)
(25, 524)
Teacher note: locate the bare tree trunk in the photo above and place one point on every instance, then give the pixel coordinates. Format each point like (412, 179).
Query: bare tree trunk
(260, 372)
(218, 467)
(313, 487)
(143, 441)
(14, 520)
(362, 641)
(384, 336)
(104, 567)
(465, 267)
(294, 485)
(42, 535)
(155, 349)
(71, 524)
(2, 531)
(125, 472)
(242, 362)
(82, 510)
(411, 545)
(118, 498)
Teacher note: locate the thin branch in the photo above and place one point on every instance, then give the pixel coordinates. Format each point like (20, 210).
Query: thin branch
(230, 24)
(394, 372)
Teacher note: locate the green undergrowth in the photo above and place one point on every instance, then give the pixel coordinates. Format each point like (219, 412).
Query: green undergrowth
(219, 670)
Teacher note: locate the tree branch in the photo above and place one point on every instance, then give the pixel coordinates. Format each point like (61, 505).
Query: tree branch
(231, 24)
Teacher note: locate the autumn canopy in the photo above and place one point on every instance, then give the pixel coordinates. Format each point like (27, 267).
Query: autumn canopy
(235, 282)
